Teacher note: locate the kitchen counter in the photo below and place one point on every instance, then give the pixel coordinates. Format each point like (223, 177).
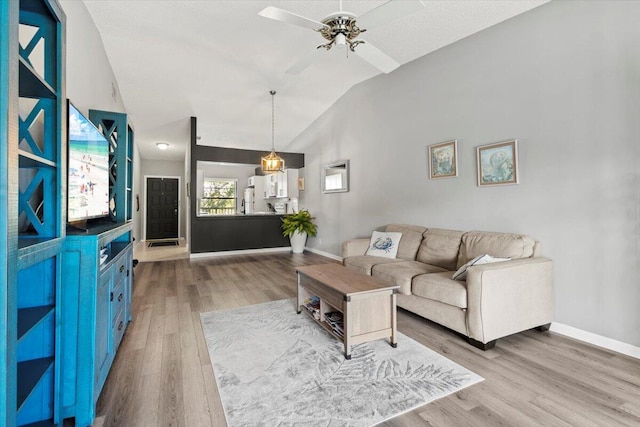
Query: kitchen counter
(236, 215)
(233, 232)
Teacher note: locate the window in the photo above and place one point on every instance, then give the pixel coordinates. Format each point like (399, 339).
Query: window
(218, 196)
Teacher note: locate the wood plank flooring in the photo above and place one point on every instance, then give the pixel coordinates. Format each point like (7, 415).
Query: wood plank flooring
(162, 375)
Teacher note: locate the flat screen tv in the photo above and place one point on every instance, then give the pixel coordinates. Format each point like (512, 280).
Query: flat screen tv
(88, 170)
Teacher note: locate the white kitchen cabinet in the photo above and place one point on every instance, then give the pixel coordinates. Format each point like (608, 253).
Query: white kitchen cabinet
(281, 185)
(270, 186)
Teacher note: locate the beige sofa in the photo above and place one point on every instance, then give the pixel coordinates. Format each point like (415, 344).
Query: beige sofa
(496, 300)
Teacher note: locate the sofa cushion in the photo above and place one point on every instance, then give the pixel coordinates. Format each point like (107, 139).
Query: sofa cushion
(384, 244)
(364, 263)
(503, 245)
(410, 242)
(440, 287)
(401, 273)
(461, 273)
(440, 247)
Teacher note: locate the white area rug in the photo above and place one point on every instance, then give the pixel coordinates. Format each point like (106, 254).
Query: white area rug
(278, 368)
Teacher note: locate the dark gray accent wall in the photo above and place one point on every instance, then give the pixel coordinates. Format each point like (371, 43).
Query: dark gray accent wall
(246, 157)
(239, 232)
(563, 79)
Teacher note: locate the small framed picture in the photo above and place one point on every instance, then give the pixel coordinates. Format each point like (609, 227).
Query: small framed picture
(301, 183)
(498, 163)
(443, 160)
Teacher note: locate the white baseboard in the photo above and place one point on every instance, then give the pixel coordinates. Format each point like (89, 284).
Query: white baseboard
(241, 252)
(262, 251)
(599, 340)
(323, 253)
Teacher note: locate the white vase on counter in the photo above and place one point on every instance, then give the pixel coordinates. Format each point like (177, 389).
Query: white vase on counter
(298, 241)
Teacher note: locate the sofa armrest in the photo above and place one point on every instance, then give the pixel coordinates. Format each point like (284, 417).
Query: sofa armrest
(507, 297)
(354, 247)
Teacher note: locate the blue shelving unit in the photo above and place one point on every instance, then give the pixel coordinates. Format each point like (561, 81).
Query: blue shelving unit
(32, 192)
(119, 133)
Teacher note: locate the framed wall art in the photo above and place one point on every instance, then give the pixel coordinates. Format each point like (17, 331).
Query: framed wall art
(443, 160)
(498, 163)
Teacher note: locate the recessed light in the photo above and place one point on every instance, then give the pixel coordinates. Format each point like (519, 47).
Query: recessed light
(162, 145)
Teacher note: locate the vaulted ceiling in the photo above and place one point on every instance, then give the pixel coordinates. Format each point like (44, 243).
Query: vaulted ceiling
(218, 60)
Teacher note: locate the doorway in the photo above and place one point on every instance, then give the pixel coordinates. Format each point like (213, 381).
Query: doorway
(162, 210)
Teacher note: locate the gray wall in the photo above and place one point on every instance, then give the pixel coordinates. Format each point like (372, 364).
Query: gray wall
(91, 83)
(564, 79)
(160, 168)
(138, 195)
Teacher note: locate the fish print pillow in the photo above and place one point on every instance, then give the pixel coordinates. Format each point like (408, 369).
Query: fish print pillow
(384, 244)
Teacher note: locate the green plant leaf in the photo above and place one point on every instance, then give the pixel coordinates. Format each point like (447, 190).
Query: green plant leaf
(301, 221)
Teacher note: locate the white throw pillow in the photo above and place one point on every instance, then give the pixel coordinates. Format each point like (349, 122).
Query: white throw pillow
(461, 274)
(384, 244)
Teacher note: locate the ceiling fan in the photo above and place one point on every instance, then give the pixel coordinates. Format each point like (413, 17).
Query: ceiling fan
(340, 30)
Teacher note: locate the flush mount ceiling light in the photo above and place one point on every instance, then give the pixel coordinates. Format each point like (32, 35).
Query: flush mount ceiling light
(162, 145)
(272, 163)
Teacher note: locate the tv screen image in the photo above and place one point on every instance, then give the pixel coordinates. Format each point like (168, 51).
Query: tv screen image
(88, 173)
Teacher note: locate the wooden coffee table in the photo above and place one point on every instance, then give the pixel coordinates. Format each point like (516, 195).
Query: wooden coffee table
(367, 304)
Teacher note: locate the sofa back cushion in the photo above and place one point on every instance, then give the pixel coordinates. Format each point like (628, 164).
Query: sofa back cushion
(503, 245)
(440, 247)
(410, 241)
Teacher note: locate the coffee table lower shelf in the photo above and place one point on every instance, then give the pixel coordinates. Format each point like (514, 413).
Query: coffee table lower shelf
(324, 324)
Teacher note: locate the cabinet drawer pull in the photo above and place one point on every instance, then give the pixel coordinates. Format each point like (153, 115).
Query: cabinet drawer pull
(120, 298)
(121, 268)
(111, 296)
(120, 325)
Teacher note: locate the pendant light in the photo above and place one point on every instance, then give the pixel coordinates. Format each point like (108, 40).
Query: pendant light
(272, 163)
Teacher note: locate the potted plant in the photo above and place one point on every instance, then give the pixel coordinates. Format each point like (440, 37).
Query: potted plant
(297, 227)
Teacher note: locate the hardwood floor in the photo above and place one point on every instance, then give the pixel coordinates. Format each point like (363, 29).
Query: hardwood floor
(162, 375)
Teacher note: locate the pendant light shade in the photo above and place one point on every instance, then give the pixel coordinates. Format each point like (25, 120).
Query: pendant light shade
(272, 163)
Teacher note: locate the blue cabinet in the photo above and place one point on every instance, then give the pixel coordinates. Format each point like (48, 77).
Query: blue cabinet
(103, 333)
(32, 182)
(97, 270)
(65, 298)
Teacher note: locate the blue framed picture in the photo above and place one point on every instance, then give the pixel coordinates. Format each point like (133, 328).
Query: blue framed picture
(498, 163)
(443, 160)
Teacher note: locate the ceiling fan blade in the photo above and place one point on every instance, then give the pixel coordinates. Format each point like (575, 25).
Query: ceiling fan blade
(290, 18)
(305, 61)
(376, 57)
(387, 12)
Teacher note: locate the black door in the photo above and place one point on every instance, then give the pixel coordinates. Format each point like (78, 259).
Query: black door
(162, 208)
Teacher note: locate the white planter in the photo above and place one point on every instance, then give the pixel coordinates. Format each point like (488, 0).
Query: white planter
(298, 240)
